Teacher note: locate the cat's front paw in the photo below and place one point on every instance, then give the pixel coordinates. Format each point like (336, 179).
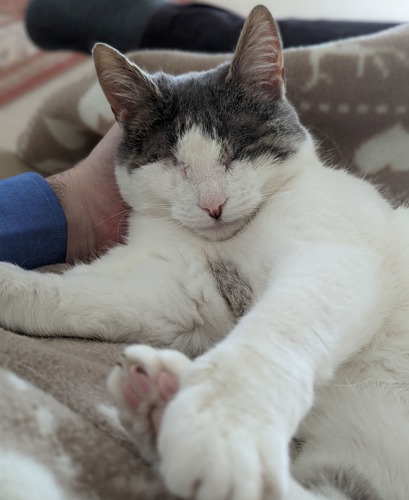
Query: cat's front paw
(212, 441)
(221, 445)
(10, 276)
(13, 287)
(141, 386)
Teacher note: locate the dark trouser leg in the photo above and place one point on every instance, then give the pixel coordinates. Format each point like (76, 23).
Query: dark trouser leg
(198, 28)
(79, 24)
(203, 28)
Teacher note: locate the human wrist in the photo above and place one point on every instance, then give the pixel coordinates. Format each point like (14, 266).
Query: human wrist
(67, 186)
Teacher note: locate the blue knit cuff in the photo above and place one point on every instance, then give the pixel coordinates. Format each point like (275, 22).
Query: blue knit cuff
(33, 227)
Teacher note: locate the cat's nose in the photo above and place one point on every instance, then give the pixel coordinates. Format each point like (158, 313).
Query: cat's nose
(213, 209)
(215, 213)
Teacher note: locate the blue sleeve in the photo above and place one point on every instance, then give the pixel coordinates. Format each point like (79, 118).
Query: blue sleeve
(33, 227)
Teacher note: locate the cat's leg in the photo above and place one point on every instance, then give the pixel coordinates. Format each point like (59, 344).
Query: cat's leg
(141, 386)
(78, 303)
(150, 300)
(243, 400)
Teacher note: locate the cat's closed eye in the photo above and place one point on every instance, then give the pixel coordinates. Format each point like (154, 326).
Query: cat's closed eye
(181, 165)
(228, 161)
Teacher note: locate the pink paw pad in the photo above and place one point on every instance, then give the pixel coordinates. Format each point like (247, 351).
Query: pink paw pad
(168, 385)
(140, 386)
(137, 386)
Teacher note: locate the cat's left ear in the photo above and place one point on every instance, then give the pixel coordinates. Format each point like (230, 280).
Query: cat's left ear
(258, 60)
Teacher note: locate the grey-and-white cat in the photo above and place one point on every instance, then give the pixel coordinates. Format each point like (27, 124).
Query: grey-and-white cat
(286, 280)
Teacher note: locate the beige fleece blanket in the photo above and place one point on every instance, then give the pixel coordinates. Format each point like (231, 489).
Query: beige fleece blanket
(59, 433)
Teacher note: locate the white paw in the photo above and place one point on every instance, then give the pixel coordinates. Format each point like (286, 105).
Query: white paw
(141, 386)
(216, 443)
(11, 276)
(213, 440)
(13, 289)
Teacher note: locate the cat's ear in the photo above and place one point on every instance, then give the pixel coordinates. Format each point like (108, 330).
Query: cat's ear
(129, 90)
(258, 59)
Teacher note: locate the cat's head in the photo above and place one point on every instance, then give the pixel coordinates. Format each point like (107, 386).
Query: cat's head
(205, 150)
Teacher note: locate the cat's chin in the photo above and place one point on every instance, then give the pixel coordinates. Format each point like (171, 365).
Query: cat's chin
(220, 231)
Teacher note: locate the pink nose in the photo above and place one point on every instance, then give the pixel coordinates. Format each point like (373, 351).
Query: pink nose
(213, 209)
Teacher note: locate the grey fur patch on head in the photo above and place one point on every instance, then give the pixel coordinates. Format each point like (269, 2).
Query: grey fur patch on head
(352, 484)
(246, 124)
(233, 287)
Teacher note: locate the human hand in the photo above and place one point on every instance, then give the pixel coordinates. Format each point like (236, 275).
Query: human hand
(95, 212)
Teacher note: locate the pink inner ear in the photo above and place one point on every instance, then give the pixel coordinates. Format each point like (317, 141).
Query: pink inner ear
(122, 116)
(272, 57)
(258, 62)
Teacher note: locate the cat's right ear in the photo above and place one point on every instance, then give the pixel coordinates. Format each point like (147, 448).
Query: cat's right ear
(129, 90)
